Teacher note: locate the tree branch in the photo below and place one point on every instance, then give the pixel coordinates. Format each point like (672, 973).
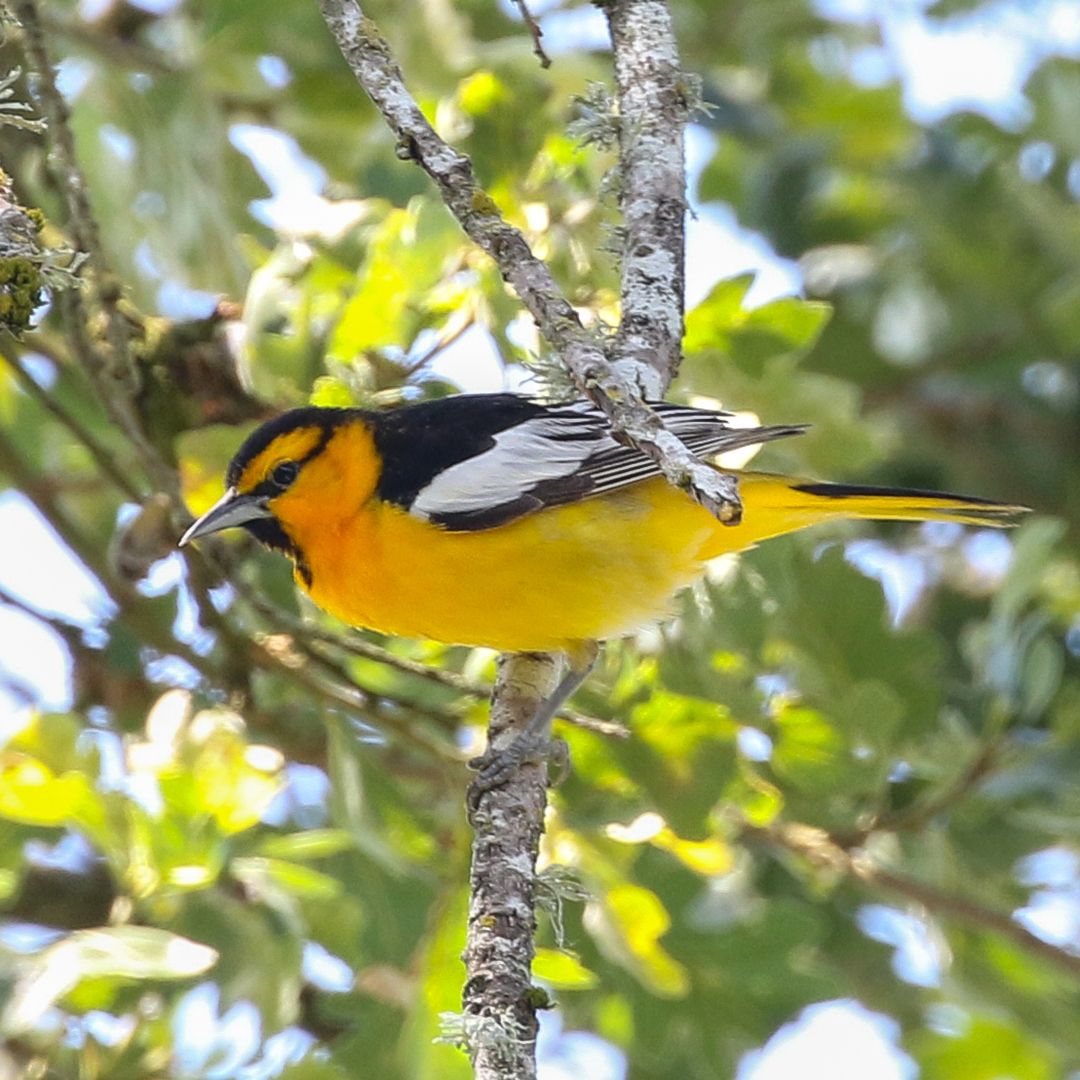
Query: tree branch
(20, 260)
(112, 371)
(499, 1027)
(652, 183)
(819, 848)
(73, 187)
(499, 997)
(101, 455)
(535, 31)
(619, 390)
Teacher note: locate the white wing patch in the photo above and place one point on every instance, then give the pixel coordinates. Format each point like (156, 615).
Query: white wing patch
(561, 456)
(522, 457)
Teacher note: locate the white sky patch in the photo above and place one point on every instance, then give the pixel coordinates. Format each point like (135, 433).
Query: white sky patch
(962, 65)
(718, 247)
(73, 75)
(1053, 916)
(325, 970)
(296, 206)
(569, 31)
(1053, 913)
(977, 60)
(571, 1055)
(920, 952)
(902, 576)
(37, 567)
(36, 662)
(472, 362)
(843, 1039)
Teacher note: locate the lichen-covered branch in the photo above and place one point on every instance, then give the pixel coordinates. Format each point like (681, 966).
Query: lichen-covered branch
(499, 1025)
(20, 260)
(73, 188)
(500, 1004)
(618, 389)
(651, 98)
(109, 363)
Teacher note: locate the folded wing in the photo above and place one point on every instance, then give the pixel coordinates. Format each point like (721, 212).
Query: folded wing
(524, 456)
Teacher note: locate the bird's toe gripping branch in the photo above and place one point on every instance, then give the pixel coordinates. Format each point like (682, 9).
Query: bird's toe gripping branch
(495, 767)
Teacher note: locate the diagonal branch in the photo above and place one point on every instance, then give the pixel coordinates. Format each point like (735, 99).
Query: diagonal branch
(652, 183)
(820, 849)
(72, 183)
(500, 1023)
(617, 389)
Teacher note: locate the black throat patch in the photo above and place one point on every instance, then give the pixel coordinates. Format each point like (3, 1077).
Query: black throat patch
(269, 531)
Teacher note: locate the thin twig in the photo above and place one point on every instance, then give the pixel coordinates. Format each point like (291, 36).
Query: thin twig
(110, 47)
(618, 389)
(104, 460)
(536, 31)
(819, 848)
(69, 631)
(451, 332)
(921, 813)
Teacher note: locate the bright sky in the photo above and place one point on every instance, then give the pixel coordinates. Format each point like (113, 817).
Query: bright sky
(977, 61)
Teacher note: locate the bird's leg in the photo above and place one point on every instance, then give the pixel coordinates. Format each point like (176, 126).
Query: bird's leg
(534, 743)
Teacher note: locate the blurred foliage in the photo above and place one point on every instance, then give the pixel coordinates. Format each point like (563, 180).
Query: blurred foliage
(242, 846)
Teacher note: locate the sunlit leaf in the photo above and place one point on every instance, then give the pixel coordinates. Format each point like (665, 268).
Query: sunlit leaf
(562, 971)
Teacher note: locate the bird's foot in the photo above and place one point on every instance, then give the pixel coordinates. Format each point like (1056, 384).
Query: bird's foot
(495, 767)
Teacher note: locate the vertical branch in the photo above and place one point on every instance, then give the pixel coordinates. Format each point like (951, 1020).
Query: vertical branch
(112, 370)
(652, 185)
(508, 822)
(500, 1025)
(73, 189)
(618, 389)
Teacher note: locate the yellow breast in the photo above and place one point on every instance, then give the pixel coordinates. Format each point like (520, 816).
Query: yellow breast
(594, 569)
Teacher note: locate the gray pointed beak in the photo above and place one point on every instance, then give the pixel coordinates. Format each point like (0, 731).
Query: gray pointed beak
(230, 510)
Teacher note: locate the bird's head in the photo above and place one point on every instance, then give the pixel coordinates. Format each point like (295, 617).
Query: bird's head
(292, 473)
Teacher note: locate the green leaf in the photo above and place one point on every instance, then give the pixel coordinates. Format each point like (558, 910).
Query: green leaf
(988, 1050)
(309, 844)
(114, 952)
(299, 880)
(810, 753)
(32, 794)
(562, 970)
(632, 922)
(787, 327)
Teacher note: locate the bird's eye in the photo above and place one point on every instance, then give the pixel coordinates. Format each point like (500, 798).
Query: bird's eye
(284, 474)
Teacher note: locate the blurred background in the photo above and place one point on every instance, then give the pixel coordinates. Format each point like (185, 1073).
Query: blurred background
(232, 838)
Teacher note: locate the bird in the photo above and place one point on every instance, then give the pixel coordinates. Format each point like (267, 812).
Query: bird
(498, 520)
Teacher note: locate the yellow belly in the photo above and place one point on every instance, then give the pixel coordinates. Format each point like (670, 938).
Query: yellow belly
(593, 569)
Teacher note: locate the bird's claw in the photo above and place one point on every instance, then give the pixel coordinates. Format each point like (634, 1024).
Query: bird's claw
(495, 767)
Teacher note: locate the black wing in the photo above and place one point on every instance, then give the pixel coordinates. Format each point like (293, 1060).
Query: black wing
(479, 460)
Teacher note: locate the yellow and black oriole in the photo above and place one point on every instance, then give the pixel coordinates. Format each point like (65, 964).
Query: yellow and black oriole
(490, 519)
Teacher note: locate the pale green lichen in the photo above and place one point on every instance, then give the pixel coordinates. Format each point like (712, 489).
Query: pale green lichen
(20, 292)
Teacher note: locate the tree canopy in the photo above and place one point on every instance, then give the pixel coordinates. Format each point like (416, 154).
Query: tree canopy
(234, 838)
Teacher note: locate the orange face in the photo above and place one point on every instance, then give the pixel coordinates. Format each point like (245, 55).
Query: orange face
(295, 477)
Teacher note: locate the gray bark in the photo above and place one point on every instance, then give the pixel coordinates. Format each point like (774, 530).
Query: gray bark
(620, 375)
(500, 1002)
(651, 96)
(619, 389)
